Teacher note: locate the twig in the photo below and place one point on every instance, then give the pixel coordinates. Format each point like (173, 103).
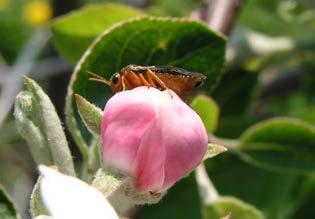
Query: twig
(220, 15)
(24, 64)
(207, 191)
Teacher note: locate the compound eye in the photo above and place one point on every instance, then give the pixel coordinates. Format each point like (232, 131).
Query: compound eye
(115, 78)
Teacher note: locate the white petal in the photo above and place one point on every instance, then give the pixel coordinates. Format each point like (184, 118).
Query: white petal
(44, 217)
(67, 197)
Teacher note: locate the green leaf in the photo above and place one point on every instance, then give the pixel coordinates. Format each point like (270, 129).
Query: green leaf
(38, 122)
(257, 13)
(29, 131)
(214, 150)
(234, 177)
(7, 209)
(37, 206)
(90, 114)
(74, 32)
(145, 41)
(13, 20)
(174, 8)
(216, 206)
(282, 144)
(208, 111)
(238, 209)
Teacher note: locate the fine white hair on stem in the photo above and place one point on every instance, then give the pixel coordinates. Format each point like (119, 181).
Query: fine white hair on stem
(68, 197)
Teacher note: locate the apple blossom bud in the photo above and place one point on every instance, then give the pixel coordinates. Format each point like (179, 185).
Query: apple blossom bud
(151, 136)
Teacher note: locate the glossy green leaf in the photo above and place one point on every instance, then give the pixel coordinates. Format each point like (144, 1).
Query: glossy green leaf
(238, 209)
(145, 41)
(38, 122)
(7, 209)
(74, 32)
(266, 190)
(208, 111)
(280, 144)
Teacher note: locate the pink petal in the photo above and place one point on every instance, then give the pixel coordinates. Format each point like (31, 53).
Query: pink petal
(126, 118)
(150, 160)
(185, 139)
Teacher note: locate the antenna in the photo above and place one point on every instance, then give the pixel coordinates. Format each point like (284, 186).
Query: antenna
(98, 78)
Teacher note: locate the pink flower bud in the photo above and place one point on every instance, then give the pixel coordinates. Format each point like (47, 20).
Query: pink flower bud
(152, 136)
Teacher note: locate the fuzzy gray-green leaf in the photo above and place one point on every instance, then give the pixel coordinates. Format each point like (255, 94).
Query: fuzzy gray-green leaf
(29, 131)
(36, 204)
(39, 124)
(90, 114)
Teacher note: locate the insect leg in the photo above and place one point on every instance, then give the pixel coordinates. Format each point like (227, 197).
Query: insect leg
(150, 80)
(153, 76)
(134, 79)
(158, 80)
(123, 82)
(144, 81)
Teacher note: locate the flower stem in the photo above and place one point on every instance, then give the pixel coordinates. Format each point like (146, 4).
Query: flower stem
(207, 191)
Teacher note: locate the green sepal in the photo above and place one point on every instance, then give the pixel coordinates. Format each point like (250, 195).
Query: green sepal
(90, 114)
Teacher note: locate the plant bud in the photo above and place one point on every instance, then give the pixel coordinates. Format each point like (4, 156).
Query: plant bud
(151, 136)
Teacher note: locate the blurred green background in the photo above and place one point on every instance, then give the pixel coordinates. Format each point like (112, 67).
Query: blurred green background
(269, 72)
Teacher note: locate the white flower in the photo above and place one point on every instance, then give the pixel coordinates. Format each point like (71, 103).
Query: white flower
(66, 197)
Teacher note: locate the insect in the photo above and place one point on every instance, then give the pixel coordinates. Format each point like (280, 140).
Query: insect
(179, 80)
